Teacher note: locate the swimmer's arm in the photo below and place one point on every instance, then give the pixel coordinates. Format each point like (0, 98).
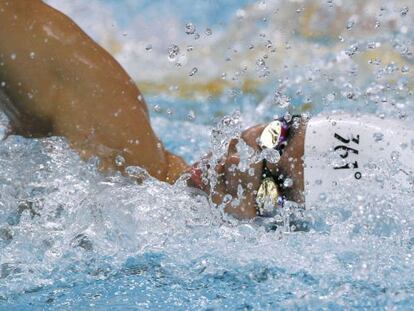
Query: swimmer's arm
(58, 76)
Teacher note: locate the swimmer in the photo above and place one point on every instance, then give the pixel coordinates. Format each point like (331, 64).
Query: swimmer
(56, 81)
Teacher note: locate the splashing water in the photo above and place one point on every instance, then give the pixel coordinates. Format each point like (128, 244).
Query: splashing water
(70, 236)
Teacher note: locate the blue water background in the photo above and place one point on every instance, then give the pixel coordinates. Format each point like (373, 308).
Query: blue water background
(106, 243)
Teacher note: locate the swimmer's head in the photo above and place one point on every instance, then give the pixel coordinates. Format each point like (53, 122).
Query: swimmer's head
(243, 188)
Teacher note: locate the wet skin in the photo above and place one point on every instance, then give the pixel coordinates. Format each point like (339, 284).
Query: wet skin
(59, 82)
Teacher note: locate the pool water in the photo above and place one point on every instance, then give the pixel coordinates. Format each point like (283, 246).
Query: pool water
(72, 238)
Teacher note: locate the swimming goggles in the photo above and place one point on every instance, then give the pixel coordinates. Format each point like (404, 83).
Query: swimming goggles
(274, 136)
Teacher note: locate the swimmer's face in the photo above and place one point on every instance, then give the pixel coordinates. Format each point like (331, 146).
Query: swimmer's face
(242, 183)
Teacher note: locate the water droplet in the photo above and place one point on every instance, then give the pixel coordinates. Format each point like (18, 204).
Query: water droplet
(173, 51)
(3, 84)
(196, 36)
(190, 48)
(270, 155)
(260, 62)
(350, 95)
(13, 56)
(287, 183)
(269, 44)
(193, 71)
(377, 24)
(378, 137)
(281, 100)
(190, 28)
(350, 24)
(227, 199)
(157, 108)
(191, 115)
(296, 122)
(240, 13)
(287, 116)
(395, 155)
(119, 160)
(32, 55)
(208, 32)
(372, 45)
(116, 114)
(251, 46)
(375, 61)
(404, 11)
(330, 97)
(148, 47)
(137, 172)
(240, 191)
(405, 69)
(352, 50)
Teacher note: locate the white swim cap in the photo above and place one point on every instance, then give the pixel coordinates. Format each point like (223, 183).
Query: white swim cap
(344, 152)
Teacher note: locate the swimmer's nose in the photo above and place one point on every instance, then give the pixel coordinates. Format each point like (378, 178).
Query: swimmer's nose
(251, 136)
